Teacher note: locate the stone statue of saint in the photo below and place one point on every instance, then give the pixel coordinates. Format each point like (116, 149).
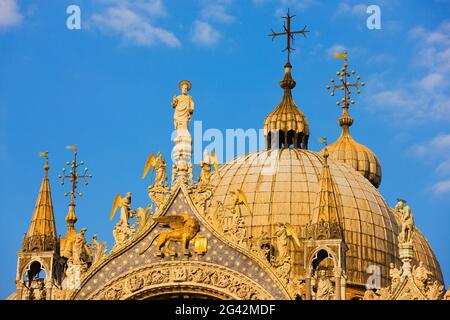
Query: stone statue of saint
(407, 230)
(98, 249)
(421, 276)
(184, 106)
(161, 174)
(204, 178)
(80, 250)
(395, 275)
(325, 288)
(125, 210)
(282, 241)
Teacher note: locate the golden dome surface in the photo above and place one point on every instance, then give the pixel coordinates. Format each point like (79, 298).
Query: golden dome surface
(369, 225)
(356, 155)
(287, 121)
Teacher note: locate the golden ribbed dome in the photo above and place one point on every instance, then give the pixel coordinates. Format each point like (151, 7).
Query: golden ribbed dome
(287, 121)
(356, 155)
(282, 187)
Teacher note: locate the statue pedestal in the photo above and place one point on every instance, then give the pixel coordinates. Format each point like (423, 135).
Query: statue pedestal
(406, 253)
(406, 250)
(181, 153)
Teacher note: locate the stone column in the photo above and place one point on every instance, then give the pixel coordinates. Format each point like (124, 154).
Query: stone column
(19, 290)
(406, 253)
(337, 290)
(48, 289)
(308, 288)
(337, 283)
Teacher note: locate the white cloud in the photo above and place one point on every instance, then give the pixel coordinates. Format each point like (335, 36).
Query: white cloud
(426, 98)
(359, 10)
(382, 58)
(345, 8)
(216, 12)
(441, 187)
(438, 146)
(444, 167)
(204, 34)
(132, 20)
(431, 82)
(436, 151)
(295, 6)
(10, 15)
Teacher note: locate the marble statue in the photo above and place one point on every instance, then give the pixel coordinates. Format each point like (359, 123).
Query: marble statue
(98, 249)
(283, 232)
(125, 208)
(395, 275)
(421, 276)
(80, 250)
(183, 105)
(182, 150)
(407, 228)
(161, 174)
(325, 288)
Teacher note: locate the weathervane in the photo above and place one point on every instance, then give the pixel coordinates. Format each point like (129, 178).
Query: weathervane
(289, 35)
(44, 154)
(345, 83)
(73, 177)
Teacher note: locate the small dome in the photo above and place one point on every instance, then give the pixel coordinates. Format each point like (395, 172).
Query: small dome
(356, 155)
(287, 121)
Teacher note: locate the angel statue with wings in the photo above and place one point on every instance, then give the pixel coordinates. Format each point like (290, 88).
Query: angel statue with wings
(234, 225)
(239, 199)
(122, 229)
(202, 191)
(157, 191)
(204, 178)
(159, 165)
(283, 233)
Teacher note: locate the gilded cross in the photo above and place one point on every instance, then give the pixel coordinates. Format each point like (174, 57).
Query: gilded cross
(289, 34)
(73, 176)
(344, 82)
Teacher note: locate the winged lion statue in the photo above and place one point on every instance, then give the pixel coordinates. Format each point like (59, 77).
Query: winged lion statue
(184, 229)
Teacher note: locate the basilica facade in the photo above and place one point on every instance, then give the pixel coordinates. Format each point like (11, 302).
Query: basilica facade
(283, 223)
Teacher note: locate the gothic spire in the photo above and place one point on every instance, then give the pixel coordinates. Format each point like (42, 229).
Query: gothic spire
(41, 235)
(327, 213)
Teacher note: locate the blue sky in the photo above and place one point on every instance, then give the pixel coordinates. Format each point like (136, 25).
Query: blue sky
(108, 88)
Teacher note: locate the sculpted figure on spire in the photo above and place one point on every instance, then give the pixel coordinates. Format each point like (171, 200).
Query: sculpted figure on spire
(183, 105)
(407, 230)
(182, 150)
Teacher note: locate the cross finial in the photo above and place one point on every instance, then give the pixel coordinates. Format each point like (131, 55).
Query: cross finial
(289, 34)
(73, 176)
(344, 82)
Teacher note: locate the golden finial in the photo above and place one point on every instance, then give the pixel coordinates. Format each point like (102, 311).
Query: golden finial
(289, 35)
(44, 154)
(326, 154)
(344, 83)
(73, 177)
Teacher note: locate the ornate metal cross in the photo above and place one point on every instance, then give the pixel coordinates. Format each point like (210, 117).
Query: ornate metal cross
(74, 176)
(289, 34)
(344, 83)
